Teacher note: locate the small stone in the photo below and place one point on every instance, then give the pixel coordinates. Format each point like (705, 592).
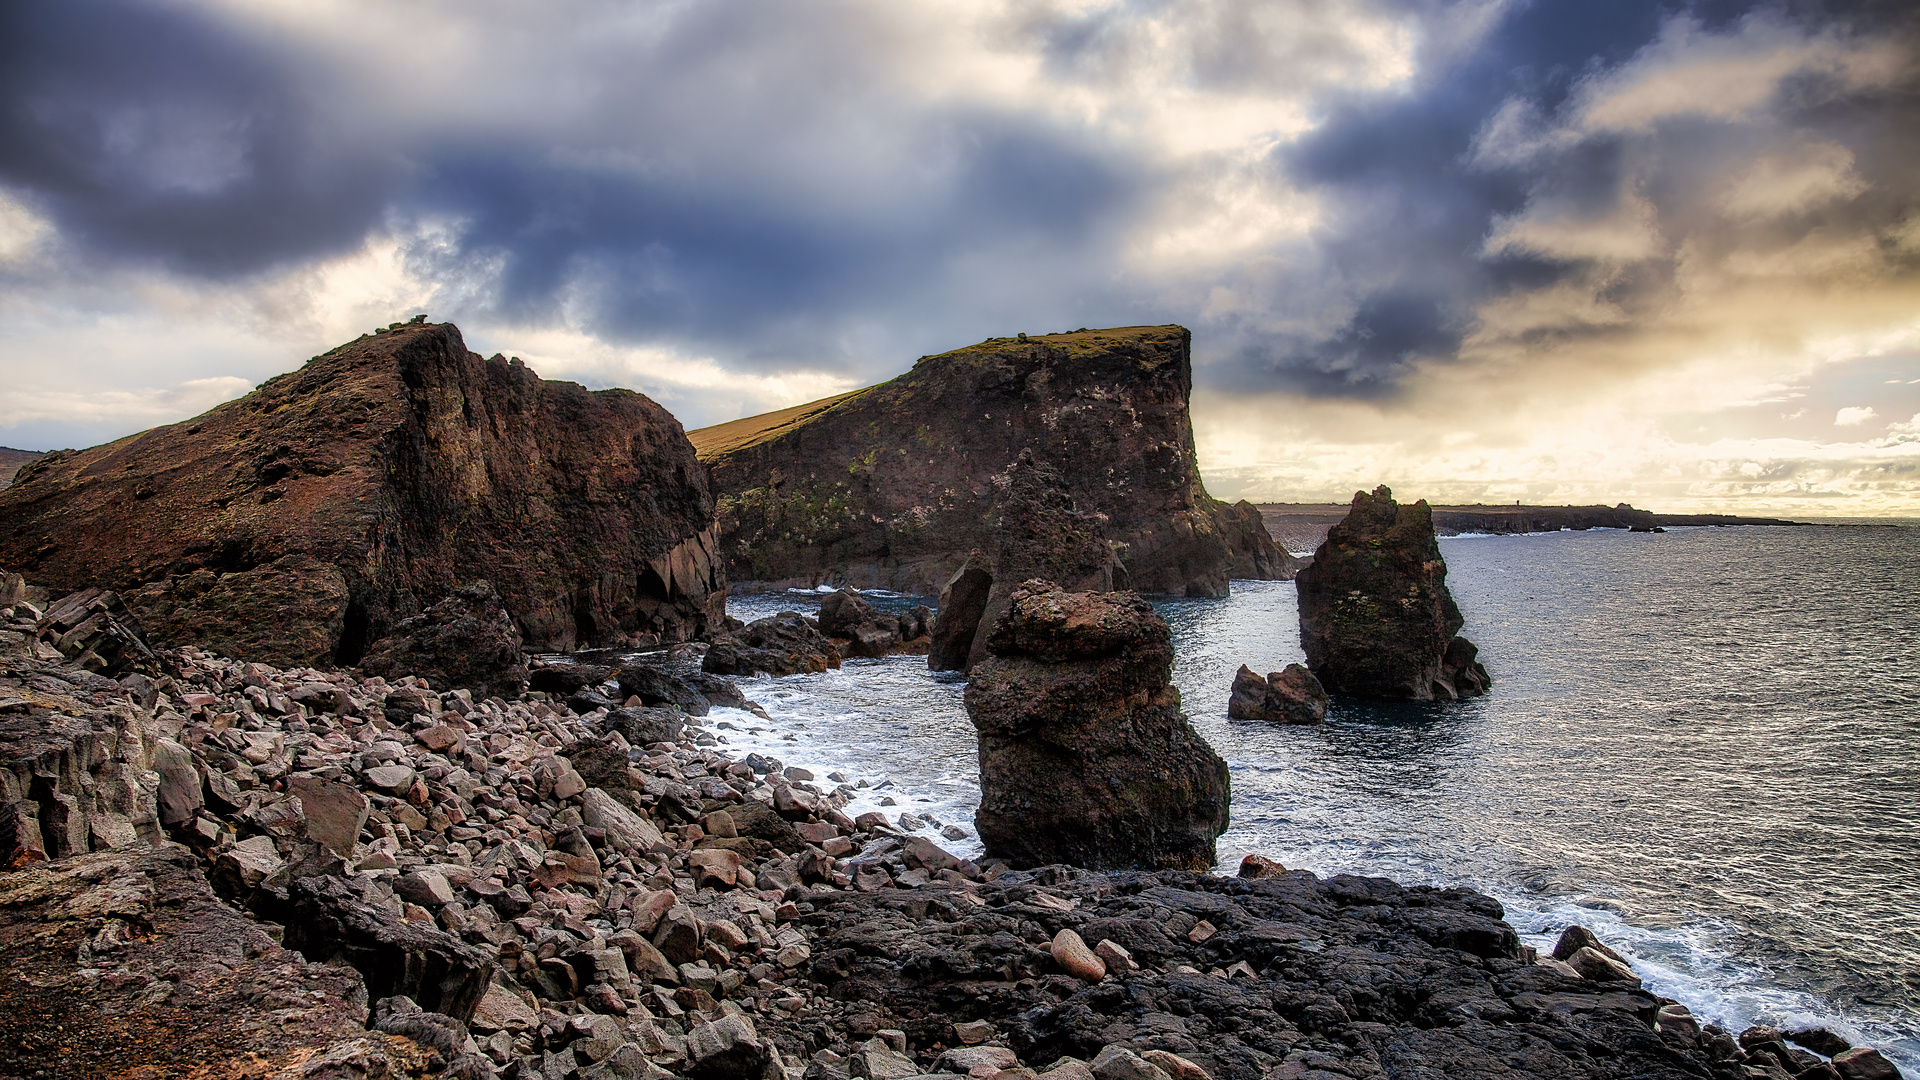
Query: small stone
(428, 888)
(1259, 866)
(1073, 956)
(973, 1032)
(716, 866)
(1115, 1062)
(725, 1049)
(1677, 1020)
(566, 782)
(876, 1060)
(394, 779)
(1201, 931)
(954, 832)
(1114, 956)
(1599, 967)
(502, 1010)
(965, 1059)
(1174, 1065)
(439, 737)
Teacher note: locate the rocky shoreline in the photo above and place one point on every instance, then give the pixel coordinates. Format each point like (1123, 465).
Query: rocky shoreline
(228, 869)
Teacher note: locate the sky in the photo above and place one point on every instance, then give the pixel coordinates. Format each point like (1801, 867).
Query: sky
(1482, 251)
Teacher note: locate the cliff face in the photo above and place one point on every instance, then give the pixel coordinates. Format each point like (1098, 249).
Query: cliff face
(300, 523)
(893, 486)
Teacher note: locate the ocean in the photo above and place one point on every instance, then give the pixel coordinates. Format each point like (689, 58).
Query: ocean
(1703, 744)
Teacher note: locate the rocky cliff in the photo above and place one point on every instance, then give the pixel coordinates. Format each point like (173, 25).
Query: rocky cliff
(893, 486)
(12, 461)
(300, 523)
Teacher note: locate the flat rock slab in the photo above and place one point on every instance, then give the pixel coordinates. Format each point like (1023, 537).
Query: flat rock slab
(179, 984)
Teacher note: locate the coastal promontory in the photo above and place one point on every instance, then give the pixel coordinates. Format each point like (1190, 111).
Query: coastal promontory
(894, 486)
(303, 522)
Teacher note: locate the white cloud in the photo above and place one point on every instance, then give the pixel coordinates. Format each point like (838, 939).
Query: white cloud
(1853, 416)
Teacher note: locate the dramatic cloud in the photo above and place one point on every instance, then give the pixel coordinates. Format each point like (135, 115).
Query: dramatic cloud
(1466, 248)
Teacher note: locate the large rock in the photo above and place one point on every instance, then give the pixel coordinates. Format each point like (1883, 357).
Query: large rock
(327, 920)
(1376, 618)
(1085, 756)
(467, 639)
(857, 628)
(300, 524)
(785, 643)
(893, 486)
(1290, 696)
(124, 963)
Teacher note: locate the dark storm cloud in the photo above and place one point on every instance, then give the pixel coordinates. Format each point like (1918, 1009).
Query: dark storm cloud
(1404, 246)
(663, 258)
(153, 132)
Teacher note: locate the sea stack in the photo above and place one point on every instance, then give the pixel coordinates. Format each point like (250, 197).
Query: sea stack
(1085, 756)
(302, 523)
(1376, 618)
(896, 485)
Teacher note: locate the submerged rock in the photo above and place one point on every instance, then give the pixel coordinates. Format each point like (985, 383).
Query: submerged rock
(895, 485)
(1376, 618)
(302, 523)
(1085, 756)
(1291, 696)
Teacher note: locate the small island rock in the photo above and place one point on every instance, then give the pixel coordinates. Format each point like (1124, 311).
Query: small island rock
(1292, 696)
(1376, 618)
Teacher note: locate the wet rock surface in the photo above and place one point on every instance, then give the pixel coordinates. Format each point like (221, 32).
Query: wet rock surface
(1290, 696)
(301, 523)
(1085, 756)
(856, 628)
(895, 485)
(1376, 619)
(785, 643)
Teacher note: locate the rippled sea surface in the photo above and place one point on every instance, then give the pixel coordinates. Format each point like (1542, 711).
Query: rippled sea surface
(1704, 744)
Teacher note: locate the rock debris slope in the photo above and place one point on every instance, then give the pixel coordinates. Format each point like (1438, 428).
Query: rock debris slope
(300, 523)
(893, 486)
(227, 869)
(1376, 619)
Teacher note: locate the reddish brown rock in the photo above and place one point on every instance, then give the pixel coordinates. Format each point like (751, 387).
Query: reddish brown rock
(1292, 696)
(1376, 618)
(301, 523)
(895, 485)
(467, 639)
(1085, 756)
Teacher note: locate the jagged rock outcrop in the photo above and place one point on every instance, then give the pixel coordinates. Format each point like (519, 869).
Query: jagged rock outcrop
(857, 628)
(301, 523)
(895, 485)
(1085, 756)
(467, 639)
(784, 643)
(1039, 533)
(1376, 618)
(1289, 696)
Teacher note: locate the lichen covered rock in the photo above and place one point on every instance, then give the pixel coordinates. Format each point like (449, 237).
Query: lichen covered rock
(1376, 618)
(1085, 756)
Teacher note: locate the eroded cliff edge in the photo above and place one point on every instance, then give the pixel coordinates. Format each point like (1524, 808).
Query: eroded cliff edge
(894, 485)
(300, 523)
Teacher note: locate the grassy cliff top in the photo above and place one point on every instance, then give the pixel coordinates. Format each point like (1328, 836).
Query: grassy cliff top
(719, 440)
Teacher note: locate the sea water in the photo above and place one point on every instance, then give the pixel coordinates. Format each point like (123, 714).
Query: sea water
(1703, 744)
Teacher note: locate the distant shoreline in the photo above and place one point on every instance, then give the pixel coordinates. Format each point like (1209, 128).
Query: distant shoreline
(1302, 526)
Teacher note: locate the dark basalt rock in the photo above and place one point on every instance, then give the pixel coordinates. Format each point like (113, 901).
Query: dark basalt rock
(302, 523)
(1085, 756)
(327, 920)
(895, 485)
(858, 629)
(781, 644)
(1376, 618)
(1291, 696)
(1039, 533)
(468, 640)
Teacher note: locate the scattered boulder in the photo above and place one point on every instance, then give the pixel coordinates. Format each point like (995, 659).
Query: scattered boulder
(95, 630)
(786, 643)
(1376, 618)
(1290, 696)
(858, 629)
(467, 640)
(1085, 756)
